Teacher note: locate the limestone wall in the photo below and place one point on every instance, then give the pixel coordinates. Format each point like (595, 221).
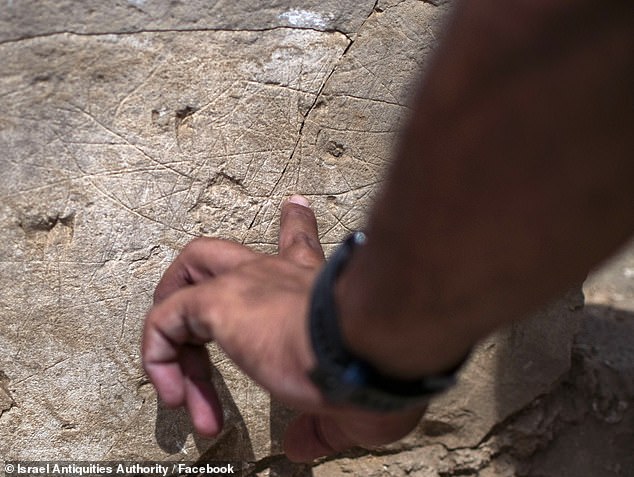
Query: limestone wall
(127, 129)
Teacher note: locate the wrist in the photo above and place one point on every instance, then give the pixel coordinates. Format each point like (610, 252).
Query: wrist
(342, 375)
(389, 330)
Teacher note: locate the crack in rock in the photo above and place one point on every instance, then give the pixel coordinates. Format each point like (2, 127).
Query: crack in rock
(169, 30)
(6, 400)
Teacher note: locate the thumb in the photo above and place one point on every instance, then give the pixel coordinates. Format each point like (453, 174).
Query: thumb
(310, 436)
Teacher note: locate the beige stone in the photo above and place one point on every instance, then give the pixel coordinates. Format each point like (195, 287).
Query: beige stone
(129, 128)
(120, 149)
(505, 374)
(20, 18)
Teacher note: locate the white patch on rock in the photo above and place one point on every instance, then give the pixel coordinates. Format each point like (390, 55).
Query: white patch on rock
(306, 19)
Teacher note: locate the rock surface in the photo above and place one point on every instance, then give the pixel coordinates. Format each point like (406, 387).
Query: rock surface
(20, 18)
(128, 129)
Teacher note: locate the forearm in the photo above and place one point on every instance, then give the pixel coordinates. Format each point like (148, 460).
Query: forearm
(513, 179)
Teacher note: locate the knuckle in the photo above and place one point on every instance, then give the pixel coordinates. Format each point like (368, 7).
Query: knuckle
(157, 296)
(305, 254)
(196, 245)
(306, 241)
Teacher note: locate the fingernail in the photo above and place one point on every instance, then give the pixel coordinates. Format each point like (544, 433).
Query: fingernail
(299, 200)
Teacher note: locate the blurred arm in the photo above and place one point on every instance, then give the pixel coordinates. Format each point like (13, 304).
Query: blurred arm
(514, 178)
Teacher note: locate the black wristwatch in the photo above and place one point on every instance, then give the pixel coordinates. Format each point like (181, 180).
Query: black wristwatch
(345, 378)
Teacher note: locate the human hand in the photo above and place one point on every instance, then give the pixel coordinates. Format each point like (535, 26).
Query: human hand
(255, 307)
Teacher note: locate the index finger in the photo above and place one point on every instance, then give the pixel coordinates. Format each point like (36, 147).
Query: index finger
(299, 238)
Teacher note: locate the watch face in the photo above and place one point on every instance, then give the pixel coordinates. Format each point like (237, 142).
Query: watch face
(355, 375)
